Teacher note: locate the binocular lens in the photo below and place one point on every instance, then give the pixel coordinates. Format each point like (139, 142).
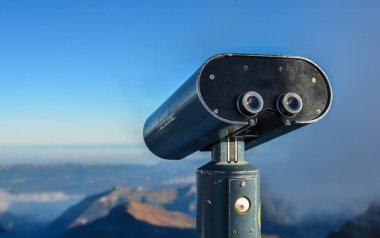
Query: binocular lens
(250, 103)
(289, 104)
(293, 103)
(253, 102)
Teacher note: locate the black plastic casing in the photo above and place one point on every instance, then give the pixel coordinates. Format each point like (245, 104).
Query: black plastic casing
(204, 109)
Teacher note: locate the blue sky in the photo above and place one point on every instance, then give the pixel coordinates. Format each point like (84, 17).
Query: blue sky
(86, 74)
(90, 72)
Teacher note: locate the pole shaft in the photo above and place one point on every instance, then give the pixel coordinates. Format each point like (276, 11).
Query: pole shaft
(228, 194)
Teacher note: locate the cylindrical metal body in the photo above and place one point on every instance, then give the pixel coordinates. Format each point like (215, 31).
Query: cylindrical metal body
(205, 109)
(219, 186)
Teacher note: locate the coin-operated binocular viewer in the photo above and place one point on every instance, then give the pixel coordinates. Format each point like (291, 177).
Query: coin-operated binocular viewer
(233, 103)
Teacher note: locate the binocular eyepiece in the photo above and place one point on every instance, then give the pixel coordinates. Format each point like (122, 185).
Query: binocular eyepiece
(251, 103)
(289, 104)
(254, 97)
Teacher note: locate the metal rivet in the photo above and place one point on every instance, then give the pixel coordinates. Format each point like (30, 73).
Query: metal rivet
(212, 77)
(216, 111)
(281, 69)
(319, 111)
(251, 231)
(209, 202)
(234, 232)
(252, 122)
(245, 67)
(313, 80)
(242, 184)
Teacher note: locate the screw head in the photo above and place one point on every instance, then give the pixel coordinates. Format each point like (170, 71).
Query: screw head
(212, 77)
(252, 122)
(242, 184)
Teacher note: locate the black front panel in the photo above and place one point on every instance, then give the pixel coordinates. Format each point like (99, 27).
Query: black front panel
(225, 78)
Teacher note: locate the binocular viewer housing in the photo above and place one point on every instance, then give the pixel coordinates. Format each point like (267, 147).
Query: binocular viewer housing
(254, 97)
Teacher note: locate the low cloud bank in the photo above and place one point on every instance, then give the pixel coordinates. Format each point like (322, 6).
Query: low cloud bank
(6, 198)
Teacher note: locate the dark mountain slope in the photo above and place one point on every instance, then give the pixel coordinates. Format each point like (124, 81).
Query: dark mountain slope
(137, 220)
(366, 225)
(98, 206)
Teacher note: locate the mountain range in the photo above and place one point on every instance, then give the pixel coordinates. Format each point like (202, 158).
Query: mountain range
(147, 201)
(136, 220)
(99, 206)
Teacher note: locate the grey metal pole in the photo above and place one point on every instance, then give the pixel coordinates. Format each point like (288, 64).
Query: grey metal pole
(228, 194)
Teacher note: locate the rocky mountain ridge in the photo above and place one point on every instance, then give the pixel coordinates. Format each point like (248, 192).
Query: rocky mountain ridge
(99, 206)
(124, 222)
